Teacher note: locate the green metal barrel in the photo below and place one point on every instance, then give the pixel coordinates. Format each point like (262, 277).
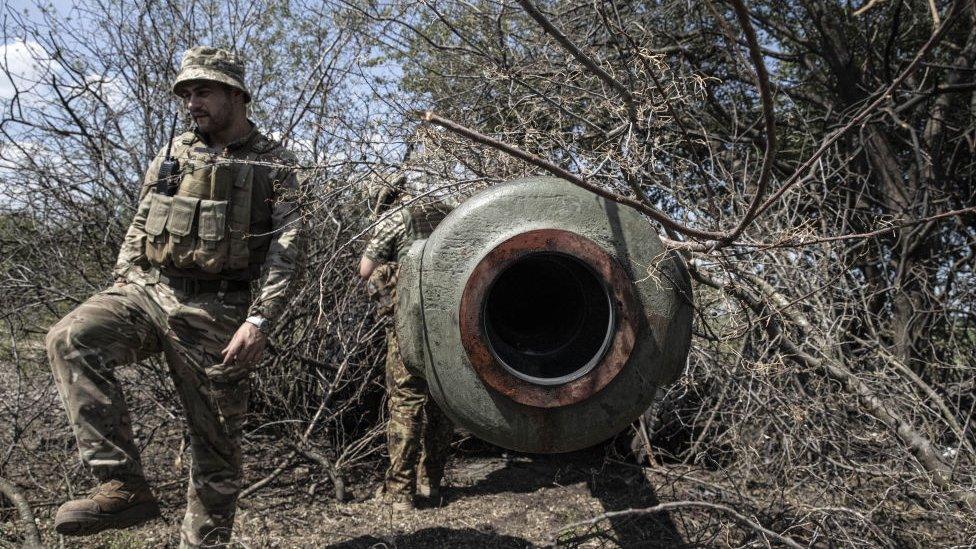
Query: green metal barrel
(543, 316)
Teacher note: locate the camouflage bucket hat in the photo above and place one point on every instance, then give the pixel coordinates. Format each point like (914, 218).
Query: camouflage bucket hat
(214, 64)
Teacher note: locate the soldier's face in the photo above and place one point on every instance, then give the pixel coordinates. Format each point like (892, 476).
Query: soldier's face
(211, 105)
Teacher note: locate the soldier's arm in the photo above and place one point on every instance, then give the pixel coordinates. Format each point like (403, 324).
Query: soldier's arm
(366, 267)
(287, 247)
(133, 245)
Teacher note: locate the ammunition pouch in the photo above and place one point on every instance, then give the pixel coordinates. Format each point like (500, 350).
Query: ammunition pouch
(169, 230)
(205, 225)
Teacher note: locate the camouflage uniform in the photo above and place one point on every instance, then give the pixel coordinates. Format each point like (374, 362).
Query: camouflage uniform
(418, 432)
(146, 315)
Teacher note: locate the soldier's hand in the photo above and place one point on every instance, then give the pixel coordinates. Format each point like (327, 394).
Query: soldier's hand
(241, 354)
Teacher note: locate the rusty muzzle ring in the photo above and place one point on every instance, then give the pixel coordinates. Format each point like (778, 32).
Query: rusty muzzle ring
(582, 263)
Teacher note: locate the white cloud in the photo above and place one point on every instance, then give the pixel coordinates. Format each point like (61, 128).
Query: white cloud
(25, 67)
(26, 63)
(111, 90)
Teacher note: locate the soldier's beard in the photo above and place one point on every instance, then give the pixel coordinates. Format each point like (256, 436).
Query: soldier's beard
(210, 123)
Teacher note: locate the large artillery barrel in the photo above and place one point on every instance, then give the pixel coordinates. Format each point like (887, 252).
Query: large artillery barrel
(543, 316)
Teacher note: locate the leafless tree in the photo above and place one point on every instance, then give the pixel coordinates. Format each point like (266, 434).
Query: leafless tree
(814, 162)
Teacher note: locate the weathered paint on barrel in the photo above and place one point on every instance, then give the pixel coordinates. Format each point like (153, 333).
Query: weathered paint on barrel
(466, 319)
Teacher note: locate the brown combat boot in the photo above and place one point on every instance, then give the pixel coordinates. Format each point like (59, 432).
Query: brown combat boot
(402, 501)
(428, 488)
(113, 504)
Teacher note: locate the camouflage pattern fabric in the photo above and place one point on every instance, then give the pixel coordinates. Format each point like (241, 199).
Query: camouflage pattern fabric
(418, 434)
(381, 286)
(394, 233)
(383, 188)
(276, 236)
(214, 64)
(389, 241)
(125, 324)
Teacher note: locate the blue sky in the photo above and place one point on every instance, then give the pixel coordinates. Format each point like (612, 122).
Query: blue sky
(15, 53)
(61, 6)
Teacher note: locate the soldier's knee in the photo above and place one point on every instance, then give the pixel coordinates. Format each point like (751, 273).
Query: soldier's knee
(72, 337)
(56, 340)
(217, 490)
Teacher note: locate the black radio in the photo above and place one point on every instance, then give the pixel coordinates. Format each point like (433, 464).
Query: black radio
(167, 178)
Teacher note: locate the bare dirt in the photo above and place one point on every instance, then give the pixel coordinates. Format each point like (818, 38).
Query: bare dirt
(492, 501)
(493, 498)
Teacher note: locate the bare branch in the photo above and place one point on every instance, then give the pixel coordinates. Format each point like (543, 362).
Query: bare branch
(662, 507)
(31, 535)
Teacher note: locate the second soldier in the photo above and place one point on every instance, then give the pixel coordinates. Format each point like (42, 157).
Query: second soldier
(418, 432)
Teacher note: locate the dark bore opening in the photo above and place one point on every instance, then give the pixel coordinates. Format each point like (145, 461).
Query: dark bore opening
(548, 318)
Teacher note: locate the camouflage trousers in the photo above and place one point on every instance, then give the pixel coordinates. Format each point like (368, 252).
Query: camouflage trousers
(418, 433)
(123, 325)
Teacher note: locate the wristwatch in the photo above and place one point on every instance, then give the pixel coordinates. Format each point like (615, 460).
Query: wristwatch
(259, 321)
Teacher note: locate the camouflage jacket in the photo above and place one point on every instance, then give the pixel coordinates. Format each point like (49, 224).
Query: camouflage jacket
(389, 239)
(397, 230)
(392, 237)
(276, 237)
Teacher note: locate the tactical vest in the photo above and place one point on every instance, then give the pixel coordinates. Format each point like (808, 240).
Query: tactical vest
(420, 220)
(206, 223)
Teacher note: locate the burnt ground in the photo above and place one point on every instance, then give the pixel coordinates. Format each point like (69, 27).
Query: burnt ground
(494, 500)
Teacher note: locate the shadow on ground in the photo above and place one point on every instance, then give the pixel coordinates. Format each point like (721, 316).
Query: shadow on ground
(617, 488)
(437, 537)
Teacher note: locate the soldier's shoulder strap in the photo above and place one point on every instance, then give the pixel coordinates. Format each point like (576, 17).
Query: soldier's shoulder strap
(183, 142)
(422, 217)
(186, 138)
(264, 146)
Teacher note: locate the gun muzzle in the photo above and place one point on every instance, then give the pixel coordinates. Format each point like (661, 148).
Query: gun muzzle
(543, 316)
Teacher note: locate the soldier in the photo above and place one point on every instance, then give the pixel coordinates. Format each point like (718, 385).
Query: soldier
(182, 288)
(418, 432)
